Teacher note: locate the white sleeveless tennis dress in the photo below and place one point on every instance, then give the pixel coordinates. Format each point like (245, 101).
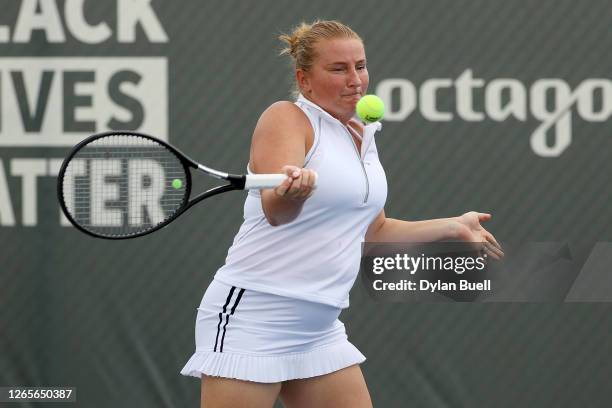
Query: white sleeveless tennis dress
(271, 312)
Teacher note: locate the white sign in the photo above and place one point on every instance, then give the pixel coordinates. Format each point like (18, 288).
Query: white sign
(60, 101)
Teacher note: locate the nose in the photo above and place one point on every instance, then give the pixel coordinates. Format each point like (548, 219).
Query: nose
(353, 80)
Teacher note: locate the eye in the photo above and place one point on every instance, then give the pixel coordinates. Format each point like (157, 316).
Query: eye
(361, 67)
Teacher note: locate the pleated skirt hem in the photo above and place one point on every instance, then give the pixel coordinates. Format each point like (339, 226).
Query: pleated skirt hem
(274, 368)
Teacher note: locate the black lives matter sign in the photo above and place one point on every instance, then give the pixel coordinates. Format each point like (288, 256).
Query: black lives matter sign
(54, 102)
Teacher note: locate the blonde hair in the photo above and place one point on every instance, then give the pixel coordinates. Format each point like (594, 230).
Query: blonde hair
(301, 42)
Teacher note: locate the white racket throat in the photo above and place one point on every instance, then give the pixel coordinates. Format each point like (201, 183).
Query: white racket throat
(213, 172)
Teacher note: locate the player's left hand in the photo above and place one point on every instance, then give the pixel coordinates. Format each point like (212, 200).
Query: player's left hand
(472, 231)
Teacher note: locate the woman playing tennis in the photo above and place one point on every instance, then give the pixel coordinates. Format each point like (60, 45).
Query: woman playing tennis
(267, 326)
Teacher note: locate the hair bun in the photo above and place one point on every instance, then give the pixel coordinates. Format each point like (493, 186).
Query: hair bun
(293, 40)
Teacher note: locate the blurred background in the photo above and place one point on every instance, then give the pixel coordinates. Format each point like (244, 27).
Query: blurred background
(493, 106)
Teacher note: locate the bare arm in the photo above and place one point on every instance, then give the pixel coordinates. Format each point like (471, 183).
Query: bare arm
(463, 228)
(279, 145)
(385, 229)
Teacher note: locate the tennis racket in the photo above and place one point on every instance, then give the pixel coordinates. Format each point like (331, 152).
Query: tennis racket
(119, 185)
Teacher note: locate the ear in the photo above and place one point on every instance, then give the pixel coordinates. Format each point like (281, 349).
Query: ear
(303, 80)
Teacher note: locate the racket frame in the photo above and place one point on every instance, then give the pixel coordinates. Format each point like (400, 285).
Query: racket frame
(236, 182)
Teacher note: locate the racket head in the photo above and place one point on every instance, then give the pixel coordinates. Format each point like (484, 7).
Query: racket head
(121, 184)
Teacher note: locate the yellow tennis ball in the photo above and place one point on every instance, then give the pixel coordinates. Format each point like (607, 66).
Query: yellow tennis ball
(370, 108)
(177, 183)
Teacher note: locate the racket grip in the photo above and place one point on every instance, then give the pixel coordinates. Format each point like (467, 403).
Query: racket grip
(259, 181)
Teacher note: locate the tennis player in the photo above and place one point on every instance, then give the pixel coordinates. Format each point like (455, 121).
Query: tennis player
(267, 326)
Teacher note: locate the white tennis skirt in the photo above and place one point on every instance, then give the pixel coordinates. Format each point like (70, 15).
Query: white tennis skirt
(261, 337)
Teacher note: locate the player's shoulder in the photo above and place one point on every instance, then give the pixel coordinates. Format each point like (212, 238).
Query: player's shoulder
(280, 124)
(282, 108)
(284, 113)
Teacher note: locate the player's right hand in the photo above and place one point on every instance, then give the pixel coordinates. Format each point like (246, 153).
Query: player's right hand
(299, 185)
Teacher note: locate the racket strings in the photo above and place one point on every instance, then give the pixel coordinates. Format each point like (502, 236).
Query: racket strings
(122, 185)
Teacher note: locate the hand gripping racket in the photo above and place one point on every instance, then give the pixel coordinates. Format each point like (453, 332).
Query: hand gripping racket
(119, 185)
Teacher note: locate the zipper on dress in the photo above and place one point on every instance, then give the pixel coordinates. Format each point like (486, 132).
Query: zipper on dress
(365, 174)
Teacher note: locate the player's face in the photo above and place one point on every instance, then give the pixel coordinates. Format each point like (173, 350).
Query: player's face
(338, 78)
